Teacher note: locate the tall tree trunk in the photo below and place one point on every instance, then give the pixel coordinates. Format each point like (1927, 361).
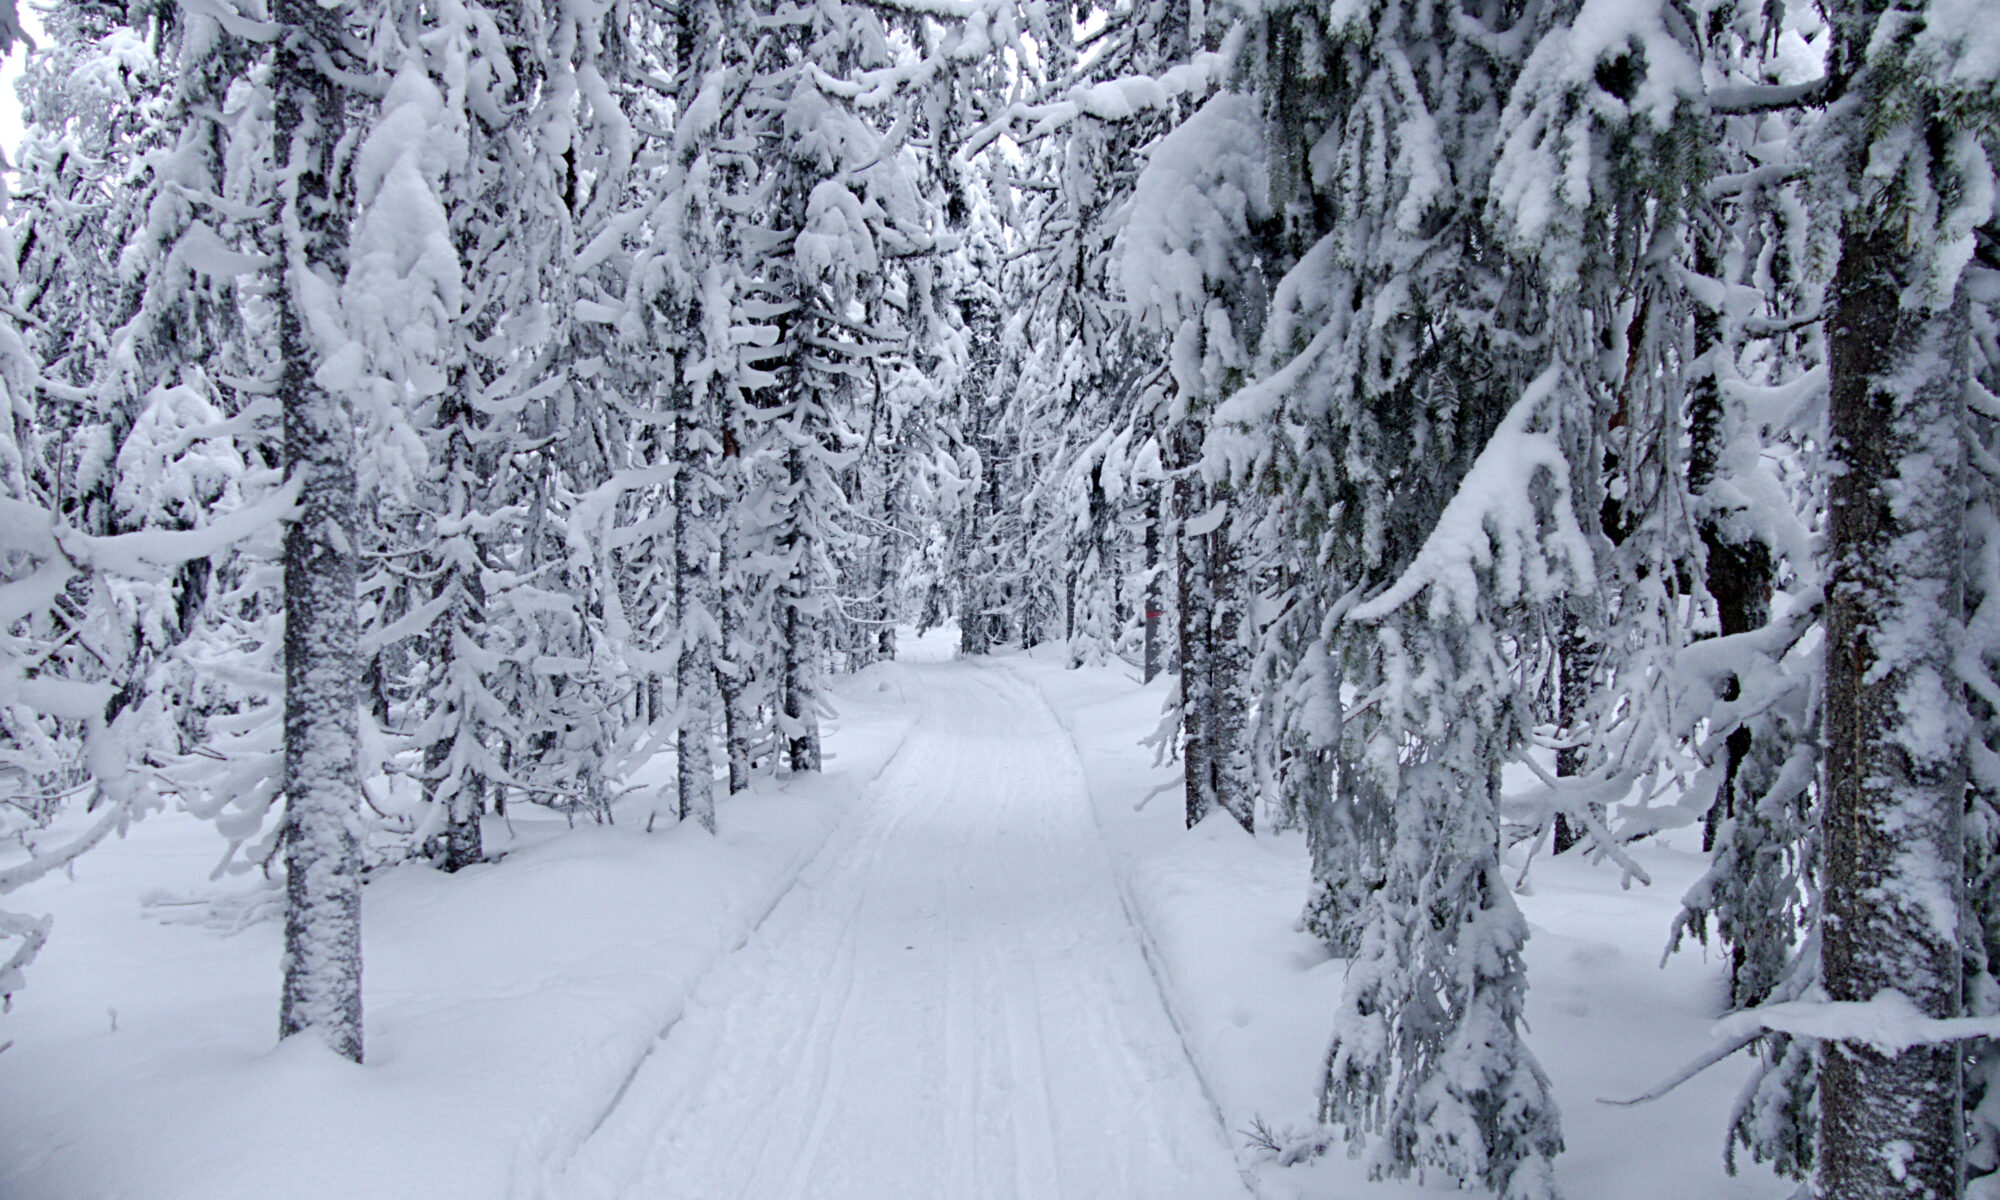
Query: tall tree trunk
(1572, 690)
(1070, 581)
(462, 590)
(1229, 675)
(732, 667)
(799, 703)
(694, 606)
(695, 773)
(1154, 593)
(885, 577)
(1892, 835)
(975, 583)
(463, 843)
(1197, 628)
(1738, 571)
(801, 698)
(322, 962)
(730, 678)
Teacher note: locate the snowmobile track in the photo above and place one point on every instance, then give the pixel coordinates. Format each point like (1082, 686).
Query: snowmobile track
(952, 1004)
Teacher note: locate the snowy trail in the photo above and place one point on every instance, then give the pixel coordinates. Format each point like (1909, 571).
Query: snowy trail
(952, 1005)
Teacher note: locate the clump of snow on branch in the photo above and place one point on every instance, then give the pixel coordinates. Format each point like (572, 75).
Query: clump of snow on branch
(403, 291)
(1511, 521)
(1547, 173)
(1194, 202)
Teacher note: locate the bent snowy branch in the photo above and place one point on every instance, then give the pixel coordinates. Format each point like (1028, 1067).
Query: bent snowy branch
(1890, 1023)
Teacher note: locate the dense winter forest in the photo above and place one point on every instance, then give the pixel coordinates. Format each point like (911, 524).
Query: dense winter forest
(1509, 430)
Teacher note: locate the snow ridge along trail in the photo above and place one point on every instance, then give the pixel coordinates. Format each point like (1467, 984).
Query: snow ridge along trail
(951, 1005)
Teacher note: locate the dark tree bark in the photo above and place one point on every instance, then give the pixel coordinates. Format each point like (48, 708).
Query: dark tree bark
(886, 565)
(1892, 832)
(1214, 661)
(464, 591)
(1154, 593)
(322, 962)
(1229, 674)
(975, 595)
(799, 699)
(1196, 626)
(1572, 691)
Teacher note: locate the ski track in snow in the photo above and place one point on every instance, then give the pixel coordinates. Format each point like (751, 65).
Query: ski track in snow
(951, 1005)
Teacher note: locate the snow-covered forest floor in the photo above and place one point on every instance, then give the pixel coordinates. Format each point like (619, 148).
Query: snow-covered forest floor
(918, 975)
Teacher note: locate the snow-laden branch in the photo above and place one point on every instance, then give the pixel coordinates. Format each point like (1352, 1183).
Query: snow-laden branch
(1495, 522)
(55, 555)
(1890, 1023)
(147, 550)
(47, 862)
(1769, 175)
(1582, 800)
(1744, 99)
(1109, 100)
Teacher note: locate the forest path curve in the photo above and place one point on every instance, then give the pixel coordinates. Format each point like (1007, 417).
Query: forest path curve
(952, 1004)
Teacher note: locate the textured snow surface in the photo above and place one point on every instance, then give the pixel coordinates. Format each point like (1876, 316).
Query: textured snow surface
(1256, 997)
(994, 978)
(951, 1004)
(504, 1005)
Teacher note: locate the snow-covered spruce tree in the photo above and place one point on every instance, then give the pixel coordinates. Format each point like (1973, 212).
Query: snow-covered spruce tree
(1105, 495)
(1090, 383)
(1915, 130)
(1385, 365)
(924, 93)
(1011, 426)
(565, 673)
(708, 386)
(500, 203)
(1069, 362)
(1035, 595)
(1427, 1056)
(1412, 397)
(975, 556)
(1745, 705)
(611, 555)
(448, 270)
(164, 466)
(71, 728)
(1189, 271)
(88, 101)
(1904, 160)
(838, 207)
(127, 260)
(248, 186)
(681, 293)
(1604, 183)
(56, 738)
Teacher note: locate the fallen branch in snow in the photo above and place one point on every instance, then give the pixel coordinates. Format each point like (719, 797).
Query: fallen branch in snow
(1287, 1148)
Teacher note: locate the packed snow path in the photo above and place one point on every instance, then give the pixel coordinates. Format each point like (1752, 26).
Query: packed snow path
(951, 1005)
